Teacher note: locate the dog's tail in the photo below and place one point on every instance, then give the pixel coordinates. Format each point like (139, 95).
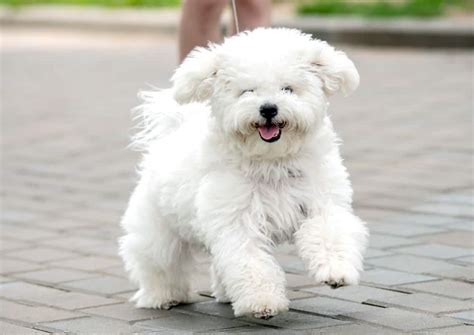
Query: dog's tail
(157, 117)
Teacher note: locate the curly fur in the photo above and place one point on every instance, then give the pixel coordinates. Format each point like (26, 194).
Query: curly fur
(208, 180)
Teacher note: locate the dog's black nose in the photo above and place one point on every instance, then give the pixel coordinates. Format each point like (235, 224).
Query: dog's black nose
(268, 111)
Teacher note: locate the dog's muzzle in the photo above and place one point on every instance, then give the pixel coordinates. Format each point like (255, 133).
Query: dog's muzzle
(270, 131)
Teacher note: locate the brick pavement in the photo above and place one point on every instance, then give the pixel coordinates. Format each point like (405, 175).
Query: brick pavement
(66, 177)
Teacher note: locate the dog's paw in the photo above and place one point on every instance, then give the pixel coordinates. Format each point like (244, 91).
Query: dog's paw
(260, 306)
(155, 299)
(337, 274)
(265, 313)
(222, 299)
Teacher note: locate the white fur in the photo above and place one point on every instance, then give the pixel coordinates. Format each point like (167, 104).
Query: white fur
(209, 182)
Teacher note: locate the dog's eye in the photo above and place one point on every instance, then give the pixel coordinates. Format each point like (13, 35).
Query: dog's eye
(246, 91)
(288, 89)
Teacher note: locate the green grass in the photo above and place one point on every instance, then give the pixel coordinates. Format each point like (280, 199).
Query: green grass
(382, 8)
(105, 3)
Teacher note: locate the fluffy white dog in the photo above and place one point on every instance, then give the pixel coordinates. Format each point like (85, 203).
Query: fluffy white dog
(240, 155)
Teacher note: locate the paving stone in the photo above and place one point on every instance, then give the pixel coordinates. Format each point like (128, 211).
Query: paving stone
(107, 250)
(102, 285)
(435, 251)
(465, 259)
(466, 198)
(295, 295)
(211, 308)
(296, 320)
(391, 277)
(381, 241)
(467, 316)
(98, 325)
(373, 253)
(13, 216)
(8, 244)
(12, 329)
(254, 329)
(456, 238)
(458, 330)
(74, 300)
(126, 312)
(422, 219)
(21, 312)
(27, 292)
(117, 271)
(403, 320)
(54, 275)
(457, 272)
(355, 293)
(125, 296)
(190, 322)
(414, 264)
(5, 279)
(297, 281)
(426, 302)
(51, 297)
(72, 243)
(465, 225)
(24, 233)
(447, 209)
(91, 263)
(9, 265)
(355, 329)
(42, 254)
(328, 306)
(405, 230)
(448, 288)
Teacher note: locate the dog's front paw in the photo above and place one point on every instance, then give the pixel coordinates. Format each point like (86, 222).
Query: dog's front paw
(261, 306)
(156, 299)
(337, 274)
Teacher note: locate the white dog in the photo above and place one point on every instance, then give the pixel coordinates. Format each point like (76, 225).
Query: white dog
(240, 155)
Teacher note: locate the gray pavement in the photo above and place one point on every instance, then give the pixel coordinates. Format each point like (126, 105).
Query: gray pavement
(66, 176)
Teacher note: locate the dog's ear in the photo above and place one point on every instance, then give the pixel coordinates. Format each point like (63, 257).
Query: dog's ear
(336, 70)
(193, 80)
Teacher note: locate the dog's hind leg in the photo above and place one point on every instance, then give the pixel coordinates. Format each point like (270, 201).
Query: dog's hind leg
(155, 257)
(163, 283)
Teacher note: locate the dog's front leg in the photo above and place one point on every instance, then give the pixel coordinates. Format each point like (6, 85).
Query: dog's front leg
(230, 222)
(332, 244)
(249, 274)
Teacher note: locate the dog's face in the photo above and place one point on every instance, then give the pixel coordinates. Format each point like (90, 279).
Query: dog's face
(268, 88)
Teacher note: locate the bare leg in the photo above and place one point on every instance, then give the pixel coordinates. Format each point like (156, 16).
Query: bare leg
(252, 14)
(199, 24)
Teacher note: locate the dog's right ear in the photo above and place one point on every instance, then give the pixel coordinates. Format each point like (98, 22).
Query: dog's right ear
(193, 80)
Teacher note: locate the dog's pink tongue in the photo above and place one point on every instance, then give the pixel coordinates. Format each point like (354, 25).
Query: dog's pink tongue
(269, 132)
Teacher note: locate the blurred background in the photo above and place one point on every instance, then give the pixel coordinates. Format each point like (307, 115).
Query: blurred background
(70, 71)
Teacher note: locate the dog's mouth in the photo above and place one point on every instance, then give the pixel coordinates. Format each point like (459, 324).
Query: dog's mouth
(270, 132)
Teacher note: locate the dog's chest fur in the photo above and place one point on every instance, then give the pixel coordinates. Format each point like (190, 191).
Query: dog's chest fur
(281, 197)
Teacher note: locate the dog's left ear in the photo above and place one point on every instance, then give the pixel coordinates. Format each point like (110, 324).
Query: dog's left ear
(193, 79)
(335, 69)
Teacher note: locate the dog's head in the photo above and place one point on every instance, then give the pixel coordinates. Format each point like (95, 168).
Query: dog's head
(267, 88)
